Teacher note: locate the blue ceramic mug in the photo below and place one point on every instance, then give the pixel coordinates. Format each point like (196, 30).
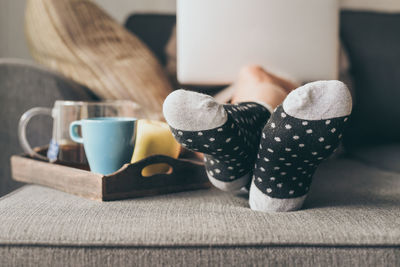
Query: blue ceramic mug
(108, 142)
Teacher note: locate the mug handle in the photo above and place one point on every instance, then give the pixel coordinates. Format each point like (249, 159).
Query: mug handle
(73, 131)
(23, 122)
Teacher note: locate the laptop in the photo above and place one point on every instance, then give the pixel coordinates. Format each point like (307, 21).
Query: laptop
(298, 39)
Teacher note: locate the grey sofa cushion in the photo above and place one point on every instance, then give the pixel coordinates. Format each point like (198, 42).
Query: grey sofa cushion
(350, 217)
(24, 85)
(385, 157)
(272, 255)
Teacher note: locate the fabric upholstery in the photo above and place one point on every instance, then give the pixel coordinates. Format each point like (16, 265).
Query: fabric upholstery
(351, 216)
(24, 85)
(322, 256)
(372, 41)
(154, 30)
(385, 157)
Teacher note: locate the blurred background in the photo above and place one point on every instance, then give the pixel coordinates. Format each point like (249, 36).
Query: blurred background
(12, 40)
(142, 67)
(369, 34)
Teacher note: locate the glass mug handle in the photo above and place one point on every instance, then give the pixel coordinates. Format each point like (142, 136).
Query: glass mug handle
(23, 122)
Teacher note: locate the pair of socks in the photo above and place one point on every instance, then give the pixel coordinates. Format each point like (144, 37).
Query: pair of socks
(248, 144)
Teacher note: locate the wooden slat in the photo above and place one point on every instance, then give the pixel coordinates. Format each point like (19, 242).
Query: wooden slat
(74, 181)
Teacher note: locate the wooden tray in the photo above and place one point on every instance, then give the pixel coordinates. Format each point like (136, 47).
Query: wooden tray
(127, 182)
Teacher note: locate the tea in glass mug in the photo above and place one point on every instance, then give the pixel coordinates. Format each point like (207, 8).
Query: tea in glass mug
(61, 146)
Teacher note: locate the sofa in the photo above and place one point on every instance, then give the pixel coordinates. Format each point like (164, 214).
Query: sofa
(351, 216)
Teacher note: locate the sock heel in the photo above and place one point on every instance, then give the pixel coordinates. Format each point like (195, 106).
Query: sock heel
(261, 202)
(235, 185)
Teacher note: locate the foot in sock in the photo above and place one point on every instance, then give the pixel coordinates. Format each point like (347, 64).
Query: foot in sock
(228, 135)
(257, 85)
(302, 132)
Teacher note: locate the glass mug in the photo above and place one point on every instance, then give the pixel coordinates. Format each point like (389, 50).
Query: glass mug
(61, 146)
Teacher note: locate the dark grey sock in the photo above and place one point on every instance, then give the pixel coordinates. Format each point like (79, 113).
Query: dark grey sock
(229, 147)
(292, 147)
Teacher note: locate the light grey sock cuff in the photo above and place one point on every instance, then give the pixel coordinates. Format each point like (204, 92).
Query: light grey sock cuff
(261, 202)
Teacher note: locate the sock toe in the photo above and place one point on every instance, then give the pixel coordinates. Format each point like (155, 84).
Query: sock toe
(319, 100)
(191, 111)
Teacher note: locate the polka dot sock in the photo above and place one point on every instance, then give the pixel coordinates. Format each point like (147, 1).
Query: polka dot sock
(302, 132)
(228, 135)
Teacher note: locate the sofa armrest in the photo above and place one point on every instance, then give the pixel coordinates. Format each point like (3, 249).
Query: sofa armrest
(24, 85)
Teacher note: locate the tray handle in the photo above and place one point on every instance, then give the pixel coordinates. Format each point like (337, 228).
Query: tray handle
(176, 165)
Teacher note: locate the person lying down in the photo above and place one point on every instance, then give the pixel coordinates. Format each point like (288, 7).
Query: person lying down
(271, 138)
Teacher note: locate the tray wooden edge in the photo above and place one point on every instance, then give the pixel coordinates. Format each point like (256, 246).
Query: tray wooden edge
(95, 186)
(70, 180)
(186, 175)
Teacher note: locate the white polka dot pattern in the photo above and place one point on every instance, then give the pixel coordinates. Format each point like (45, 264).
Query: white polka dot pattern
(292, 165)
(229, 150)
